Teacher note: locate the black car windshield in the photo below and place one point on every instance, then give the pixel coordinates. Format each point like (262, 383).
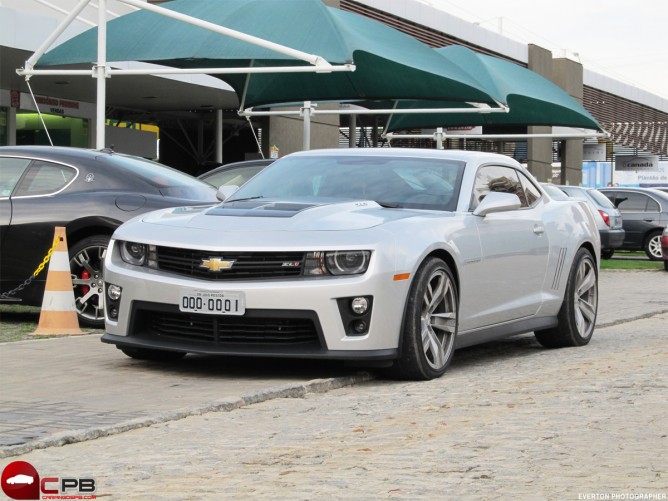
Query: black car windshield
(170, 182)
(406, 182)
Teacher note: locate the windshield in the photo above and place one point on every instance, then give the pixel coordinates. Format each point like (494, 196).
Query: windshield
(418, 183)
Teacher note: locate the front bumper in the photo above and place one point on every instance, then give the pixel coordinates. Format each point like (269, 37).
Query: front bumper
(285, 318)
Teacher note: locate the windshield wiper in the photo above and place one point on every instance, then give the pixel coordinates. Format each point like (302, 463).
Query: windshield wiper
(244, 199)
(388, 205)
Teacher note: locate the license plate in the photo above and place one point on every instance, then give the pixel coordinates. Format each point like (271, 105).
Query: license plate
(212, 302)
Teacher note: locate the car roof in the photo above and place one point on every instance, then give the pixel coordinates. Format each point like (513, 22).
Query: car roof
(413, 152)
(637, 189)
(55, 152)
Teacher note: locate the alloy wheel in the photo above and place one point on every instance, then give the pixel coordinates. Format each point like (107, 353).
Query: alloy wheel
(438, 319)
(88, 281)
(585, 298)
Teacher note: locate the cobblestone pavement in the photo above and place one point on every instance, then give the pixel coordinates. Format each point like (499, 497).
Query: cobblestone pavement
(509, 420)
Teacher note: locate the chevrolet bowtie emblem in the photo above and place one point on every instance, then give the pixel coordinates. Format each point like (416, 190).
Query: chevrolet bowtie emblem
(216, 264)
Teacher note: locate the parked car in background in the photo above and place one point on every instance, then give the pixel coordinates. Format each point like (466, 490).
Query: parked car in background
(88, 192)
(664, 248)
(234, 174)
(554, 191)
(380, 256)
(609, 219)
(645, 215)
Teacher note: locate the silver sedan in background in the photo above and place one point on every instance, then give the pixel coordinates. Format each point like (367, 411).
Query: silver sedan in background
(392, 257)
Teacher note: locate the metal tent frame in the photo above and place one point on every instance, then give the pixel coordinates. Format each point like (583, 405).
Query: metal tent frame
(101, 71)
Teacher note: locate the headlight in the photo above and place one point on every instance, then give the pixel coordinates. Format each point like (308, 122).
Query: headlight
(337, 263)
(133, 253)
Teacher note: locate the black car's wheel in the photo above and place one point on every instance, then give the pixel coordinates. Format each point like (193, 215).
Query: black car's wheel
(607, 253)
(665, 265)
(430, 323)
(86, 266)
(154, 355)
(652, 246)
(577, 316)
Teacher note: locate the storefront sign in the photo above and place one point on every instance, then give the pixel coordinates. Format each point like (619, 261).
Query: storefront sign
(15, 99)
(593, 152)
(636, 163)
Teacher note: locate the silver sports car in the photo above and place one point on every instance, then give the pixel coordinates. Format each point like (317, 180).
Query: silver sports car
(391, 257)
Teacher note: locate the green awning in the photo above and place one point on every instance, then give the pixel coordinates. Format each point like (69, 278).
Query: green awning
(533, 100)
(390, 64)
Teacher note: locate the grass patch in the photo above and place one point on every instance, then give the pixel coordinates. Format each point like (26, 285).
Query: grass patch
(630, 260)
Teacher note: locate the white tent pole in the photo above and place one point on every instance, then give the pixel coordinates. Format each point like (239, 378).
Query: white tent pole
(101, 75)
(306, 112)
(251, 113)
(219, 136)
(584, 135)
(439, 135)
(192, 71)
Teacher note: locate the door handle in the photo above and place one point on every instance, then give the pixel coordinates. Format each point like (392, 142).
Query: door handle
(538, 230)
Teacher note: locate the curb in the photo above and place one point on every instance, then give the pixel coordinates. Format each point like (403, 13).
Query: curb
(229, 404)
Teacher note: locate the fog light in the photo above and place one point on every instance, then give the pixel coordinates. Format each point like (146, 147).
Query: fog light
(360, 326)
(359, 305)
(114, 292)
(113, 312)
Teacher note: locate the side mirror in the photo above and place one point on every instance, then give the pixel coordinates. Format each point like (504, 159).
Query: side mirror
(226, 191)
(497, 202)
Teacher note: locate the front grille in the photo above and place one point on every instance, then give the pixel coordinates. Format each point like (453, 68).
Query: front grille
(255, 327)
(246, 265)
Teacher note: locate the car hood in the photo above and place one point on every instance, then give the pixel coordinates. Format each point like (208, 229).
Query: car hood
(263, 216)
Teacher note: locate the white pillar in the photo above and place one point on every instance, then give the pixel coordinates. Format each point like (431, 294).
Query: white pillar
(439, 138)
(352, 131)
(306, 113)
(219, 136)
(101, 74)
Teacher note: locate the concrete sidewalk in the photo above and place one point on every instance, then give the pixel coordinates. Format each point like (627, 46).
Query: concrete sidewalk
(64, 390)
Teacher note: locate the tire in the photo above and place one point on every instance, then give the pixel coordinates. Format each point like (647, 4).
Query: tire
(429, 327)
(652, 246)
(577, 317)
(665, 264)
(87, 268)
(607, 253)
(153, 355)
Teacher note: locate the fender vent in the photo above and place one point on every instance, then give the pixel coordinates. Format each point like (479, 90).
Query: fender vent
(560, 267)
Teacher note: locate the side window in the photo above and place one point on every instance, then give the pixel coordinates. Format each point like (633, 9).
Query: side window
(635, 202)
(11, 170)
(44, 178)
(496, 178)
(531, 192)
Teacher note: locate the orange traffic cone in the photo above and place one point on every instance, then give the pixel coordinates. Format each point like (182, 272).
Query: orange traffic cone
(59, 313)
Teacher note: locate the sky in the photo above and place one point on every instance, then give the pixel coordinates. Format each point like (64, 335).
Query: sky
(626, 40)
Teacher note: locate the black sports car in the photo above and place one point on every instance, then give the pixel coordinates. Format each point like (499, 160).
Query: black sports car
(88, 192)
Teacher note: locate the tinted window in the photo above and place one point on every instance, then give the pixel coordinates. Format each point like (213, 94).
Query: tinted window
(635, 202)
(170, 182)
(531, 191)
(11, 170)
(235, 176)
(499, 179)
(44, 178)
(601, 199)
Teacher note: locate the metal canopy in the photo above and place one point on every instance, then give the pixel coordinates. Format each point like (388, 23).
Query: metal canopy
(388, 64)
(281, 51)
